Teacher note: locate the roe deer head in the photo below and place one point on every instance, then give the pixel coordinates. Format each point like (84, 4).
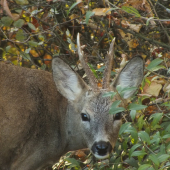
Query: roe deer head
(42, 118)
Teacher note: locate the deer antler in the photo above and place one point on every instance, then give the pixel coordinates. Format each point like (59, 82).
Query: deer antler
(92, 79)
(108, 66)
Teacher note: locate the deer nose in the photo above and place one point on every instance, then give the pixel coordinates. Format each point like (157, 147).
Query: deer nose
(101, 148)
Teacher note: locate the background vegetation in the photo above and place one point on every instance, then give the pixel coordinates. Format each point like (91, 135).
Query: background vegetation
(33, 32)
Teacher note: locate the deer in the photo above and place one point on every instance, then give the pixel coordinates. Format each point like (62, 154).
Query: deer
(44, 115)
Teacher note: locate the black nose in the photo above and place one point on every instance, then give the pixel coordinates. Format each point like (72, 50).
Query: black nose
(101, 148)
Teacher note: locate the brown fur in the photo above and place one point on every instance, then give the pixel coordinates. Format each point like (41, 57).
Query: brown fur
(29, 103)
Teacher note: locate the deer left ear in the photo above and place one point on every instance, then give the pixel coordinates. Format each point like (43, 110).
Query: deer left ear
(131, 75)
(68, 83)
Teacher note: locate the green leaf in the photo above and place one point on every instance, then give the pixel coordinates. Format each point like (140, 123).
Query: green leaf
(132, 162)
(22, 2)
(6, 21)
(92, 69)
(115, 104)
(113, 73)
(73, 161)
(2, 49)
(133, 114)
(126, 90)
(144, 136)
(88, 15)
(122, 90)
(166, 136)
(166, 104)
(19, 23)
(156, 118)
(109, 94)
(124, 127)
(31, 26)
(148, 20)
(133, 148)
(27, 50)
(111, 9)
(18, 11)
(138, 153)
(8, 48)
(150, 168)
(154, 63)
(166, 166)
(144, 167)
(163, 158)
(72, 6)
(134, 106)
(154, 159)
(20, 35)
(162, 149)
(168, 149)
(115, 109)
(133, 133)
(43, 67)
(156, 68)
(32, 43)
(131, 10)
(156, 138)
(148, 81)
(140, 122)
(168, 129)
(101, 69)
(25, 55)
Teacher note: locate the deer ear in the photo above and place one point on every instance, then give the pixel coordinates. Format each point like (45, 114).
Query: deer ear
(131, 75)
(68, 83)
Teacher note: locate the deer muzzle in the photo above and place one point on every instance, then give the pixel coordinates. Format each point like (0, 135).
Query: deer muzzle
(101, 149)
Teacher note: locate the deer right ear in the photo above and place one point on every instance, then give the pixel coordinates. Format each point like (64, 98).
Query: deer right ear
(68, 83)
(131, 75)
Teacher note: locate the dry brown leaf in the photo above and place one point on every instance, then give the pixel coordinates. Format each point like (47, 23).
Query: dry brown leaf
(134, 27)
(93, 26)
(16, 16)
(129, 38)
(81, 6)
(73, 16)
(159, 80)
(101, 11)
(166, 55)
(154, 87)
(124, 61)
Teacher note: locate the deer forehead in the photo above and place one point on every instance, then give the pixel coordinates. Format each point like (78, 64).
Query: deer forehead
(97, 104)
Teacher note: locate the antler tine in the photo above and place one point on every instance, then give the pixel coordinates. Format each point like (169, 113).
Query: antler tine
(92, 79)
(108, 66)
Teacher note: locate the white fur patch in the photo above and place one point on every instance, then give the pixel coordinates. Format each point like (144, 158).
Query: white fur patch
(101, 157)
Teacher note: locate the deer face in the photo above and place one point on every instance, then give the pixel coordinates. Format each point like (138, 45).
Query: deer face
(99, 127)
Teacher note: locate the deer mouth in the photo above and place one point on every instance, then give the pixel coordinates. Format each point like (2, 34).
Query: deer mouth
(101, 149)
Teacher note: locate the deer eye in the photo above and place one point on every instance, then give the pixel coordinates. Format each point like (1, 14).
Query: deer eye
(85, 117)
(118, 116)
